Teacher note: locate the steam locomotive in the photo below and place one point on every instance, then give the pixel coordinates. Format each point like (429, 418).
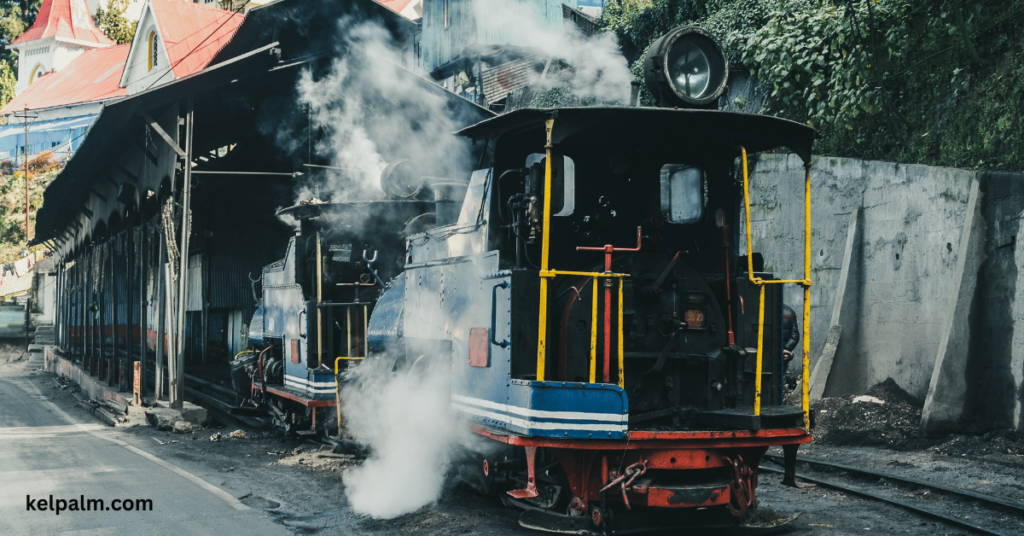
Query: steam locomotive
(601, 329)
(586, 291)
(315, 303)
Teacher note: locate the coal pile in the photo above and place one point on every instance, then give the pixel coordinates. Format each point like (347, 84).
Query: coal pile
(1009, 442)
(885, 416)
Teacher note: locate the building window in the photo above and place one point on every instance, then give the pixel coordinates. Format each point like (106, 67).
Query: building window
(154, 50)
(447, 16)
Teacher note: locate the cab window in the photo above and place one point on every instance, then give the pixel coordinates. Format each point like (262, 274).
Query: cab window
(682, 193)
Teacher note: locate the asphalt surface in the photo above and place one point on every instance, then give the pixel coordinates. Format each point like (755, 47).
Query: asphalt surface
(49, 451)
(212, 482)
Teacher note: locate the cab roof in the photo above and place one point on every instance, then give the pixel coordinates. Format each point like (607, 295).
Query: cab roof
(730, 130)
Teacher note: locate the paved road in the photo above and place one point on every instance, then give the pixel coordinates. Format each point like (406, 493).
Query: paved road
(45, 450)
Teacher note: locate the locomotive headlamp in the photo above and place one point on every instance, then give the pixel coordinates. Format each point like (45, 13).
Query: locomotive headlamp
(686, 68)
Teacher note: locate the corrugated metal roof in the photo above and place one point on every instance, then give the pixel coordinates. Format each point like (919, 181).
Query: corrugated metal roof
(473, 25)
(193, 33)
(499, 81)
(67, 19)
(91, 77)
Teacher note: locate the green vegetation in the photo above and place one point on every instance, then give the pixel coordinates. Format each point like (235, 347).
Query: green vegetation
(928, 81)
(113, 23)
(15, 17)
(42, 169)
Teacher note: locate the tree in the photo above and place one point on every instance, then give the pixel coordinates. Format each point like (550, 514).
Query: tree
(15, 17)
(113, 23)
(7, 82)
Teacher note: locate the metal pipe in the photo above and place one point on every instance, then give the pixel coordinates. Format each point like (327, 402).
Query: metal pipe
(728, 293)
(257, 173)
(263, 380)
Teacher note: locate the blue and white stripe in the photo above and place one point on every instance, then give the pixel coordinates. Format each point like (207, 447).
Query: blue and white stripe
(313, 387)
(534, 419)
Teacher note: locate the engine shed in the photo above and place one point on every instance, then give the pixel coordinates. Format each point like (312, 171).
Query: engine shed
(165, 217)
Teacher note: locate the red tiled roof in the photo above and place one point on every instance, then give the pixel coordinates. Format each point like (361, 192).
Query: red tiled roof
(68, 19)
(193, 33)
(395, 5)
(92, 76)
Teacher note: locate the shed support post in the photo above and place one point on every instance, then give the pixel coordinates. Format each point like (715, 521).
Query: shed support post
(143, 332)
(126, 368)
(178, 391)
(112, 363)
(161, 313)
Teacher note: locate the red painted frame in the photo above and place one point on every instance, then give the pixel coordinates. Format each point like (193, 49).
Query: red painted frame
(582, 460)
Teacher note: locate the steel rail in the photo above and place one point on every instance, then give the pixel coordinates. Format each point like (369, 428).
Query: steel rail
(968, 494)
(916, 509)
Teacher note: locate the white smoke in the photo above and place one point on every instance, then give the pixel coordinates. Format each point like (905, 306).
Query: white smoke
(372, 112)
(405, 420)
(597, 68)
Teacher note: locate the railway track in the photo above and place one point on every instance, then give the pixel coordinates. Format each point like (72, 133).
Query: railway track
(1005, 517)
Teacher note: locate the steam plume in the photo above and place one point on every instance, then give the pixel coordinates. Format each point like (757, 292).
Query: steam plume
(599, 71)
(405, 420)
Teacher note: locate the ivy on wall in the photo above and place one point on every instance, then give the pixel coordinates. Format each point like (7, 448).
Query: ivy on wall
(929, 81)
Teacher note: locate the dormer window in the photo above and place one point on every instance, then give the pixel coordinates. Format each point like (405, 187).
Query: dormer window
(154, 48)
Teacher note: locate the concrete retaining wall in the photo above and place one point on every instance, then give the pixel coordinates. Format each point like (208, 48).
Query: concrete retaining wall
(911, 221)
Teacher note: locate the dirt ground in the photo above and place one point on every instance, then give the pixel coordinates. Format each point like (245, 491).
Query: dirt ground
(299, 483)
(887, 416)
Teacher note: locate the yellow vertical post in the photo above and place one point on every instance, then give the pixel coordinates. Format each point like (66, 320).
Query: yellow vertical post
(760, 339)
(807, 298)
(337, 393)
(593, 334)
(319, 298)
(542, 330)
(746, 204)
(622, 355)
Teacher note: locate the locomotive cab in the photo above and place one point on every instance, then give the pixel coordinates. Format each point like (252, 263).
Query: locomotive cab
(646, 287)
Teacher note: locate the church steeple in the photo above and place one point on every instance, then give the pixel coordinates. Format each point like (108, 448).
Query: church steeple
(63, 29)
(65, 20)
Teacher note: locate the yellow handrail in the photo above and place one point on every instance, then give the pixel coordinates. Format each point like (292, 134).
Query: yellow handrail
(337, 386)
(546, 273)
(593, 334)
(553, 273)
(805, 283)
(542, 330)
(622, 363)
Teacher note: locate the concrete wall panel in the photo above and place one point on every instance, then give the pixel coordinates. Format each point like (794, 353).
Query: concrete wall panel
(912, 218)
